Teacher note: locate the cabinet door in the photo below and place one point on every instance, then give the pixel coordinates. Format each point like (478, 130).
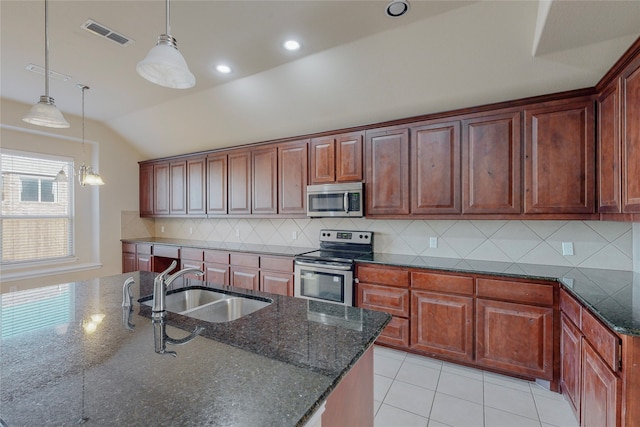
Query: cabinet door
(322, 160)
(178, 188)
(276, 283)
(491, 156)
(517, 338)
(435, 168)
(394, 301)
(570, 362)
(196, 187)
(442, 324)
(265, 181)
(609, 166)
(246, 278)
(146, 190)
(560, 158)
(601, 390)
(396, 333)
(239, 164)
(216, 274)
(161, 189)
(349, 157)
(292, 163)
(387, 171)
(217, 184)
(129, 263)
(144, 262)
(631, 138)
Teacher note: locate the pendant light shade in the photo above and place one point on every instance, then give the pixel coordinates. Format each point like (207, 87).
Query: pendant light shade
(45, 112)
(164, 65)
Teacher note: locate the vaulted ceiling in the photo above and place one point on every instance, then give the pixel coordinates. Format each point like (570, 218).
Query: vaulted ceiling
(356, 65)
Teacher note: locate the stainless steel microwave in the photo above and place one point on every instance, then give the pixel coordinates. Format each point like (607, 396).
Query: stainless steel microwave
(335, 200)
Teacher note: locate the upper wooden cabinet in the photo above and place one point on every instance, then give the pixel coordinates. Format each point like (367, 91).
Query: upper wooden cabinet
(609, 155)
(560, 157)
(239, 182)
(435, 168)
(630, 97)
(146, 190)
(336, 158)
(178, 188)
(491, 158)
(265, 181)
(217, 184)
(292, 177)
(387, 172)
(196, 186)
(161, 189)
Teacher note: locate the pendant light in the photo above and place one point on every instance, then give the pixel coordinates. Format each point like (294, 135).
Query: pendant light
(164, 65)
(86, 175)
(45, 112)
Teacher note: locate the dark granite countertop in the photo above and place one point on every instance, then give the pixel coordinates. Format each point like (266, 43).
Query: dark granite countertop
(612, 295)
(271, 368)
(233, 247)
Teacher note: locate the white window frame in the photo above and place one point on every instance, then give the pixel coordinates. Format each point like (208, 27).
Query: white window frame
(41, 262)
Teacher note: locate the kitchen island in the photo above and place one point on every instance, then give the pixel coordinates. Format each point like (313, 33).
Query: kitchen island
(71, 353)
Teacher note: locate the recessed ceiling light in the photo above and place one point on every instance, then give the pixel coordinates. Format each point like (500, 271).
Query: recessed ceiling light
(224, 69)
(291, 45)
(397, 8)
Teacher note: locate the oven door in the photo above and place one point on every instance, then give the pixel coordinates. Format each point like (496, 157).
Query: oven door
(322, 282)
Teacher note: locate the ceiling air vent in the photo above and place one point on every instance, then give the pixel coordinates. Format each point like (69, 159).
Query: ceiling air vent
(106, 32)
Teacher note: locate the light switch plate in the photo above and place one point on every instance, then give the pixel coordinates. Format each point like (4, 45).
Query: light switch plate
(567, 248)
(433, 242)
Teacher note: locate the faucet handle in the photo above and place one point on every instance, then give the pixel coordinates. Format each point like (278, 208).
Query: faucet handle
(169, 270)
(127, 295)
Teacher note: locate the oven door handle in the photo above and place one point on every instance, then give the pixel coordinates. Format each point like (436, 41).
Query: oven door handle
(332, 266)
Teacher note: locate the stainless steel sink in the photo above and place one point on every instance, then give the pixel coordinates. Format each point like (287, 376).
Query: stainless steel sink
(210, 305)
(227, 309)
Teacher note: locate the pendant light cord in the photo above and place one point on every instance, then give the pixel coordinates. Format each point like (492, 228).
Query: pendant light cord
(46, 48)
(167, 18)
(83, 87)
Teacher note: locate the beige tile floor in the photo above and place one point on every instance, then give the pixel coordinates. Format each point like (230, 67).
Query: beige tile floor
(412, 390)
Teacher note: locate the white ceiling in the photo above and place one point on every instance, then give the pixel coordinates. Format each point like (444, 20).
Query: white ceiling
(356, 66)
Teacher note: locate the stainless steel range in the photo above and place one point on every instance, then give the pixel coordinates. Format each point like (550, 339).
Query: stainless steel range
(327, 274)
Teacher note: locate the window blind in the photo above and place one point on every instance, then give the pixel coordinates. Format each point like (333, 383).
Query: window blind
(37, 208)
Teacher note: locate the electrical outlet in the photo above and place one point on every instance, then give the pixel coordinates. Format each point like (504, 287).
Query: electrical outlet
(294, 235)
(190, 230)
(162, 228)
(567, 248)
(237, 232)
(433, 242)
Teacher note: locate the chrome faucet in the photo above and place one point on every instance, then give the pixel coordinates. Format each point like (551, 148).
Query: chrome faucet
(161, 285)
(127, 296)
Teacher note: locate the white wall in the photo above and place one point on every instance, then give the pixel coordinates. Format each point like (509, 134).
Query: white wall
(97, 209)
(597, 244)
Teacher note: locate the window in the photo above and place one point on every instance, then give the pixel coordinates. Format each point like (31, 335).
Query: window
(37, 207)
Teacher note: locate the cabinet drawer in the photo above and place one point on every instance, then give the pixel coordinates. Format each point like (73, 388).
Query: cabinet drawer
(143, 248)
(245, 260)
(571, 308)
(603, 340)
(277, 264)
(166, 251)
(384, 298)
(527, 293)
(129, 248)
(395, 333)
(217, 257)
(192, 254)
(384, 276)
(442, 283)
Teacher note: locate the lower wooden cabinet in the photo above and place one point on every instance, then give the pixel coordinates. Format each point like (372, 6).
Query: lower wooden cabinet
(589, 375)
(244, 277)
(276, 283)
(515, 337)
(442, 324)
(136, 257)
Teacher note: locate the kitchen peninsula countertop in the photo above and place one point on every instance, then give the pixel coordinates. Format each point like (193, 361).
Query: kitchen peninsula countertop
(612, 295)
(274, 367)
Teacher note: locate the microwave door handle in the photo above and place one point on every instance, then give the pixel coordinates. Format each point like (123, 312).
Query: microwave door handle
(346, 202)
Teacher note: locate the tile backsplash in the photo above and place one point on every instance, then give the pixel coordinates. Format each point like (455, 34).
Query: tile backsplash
(596, 244)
